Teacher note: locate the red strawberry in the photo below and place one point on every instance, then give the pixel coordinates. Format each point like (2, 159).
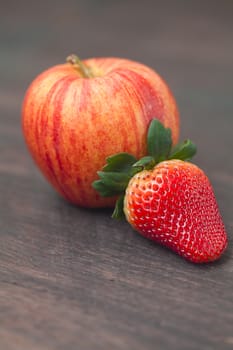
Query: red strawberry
(166, 198)
(174, 204)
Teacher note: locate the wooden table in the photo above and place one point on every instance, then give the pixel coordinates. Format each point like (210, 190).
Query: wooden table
(73, 278)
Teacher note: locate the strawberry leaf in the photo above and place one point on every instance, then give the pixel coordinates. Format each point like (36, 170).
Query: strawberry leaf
(103, 190)
(118, 212)
(115, 175)
(183, 151)
(120, 162)
(115, 181)
(146, 162)
(159, 141)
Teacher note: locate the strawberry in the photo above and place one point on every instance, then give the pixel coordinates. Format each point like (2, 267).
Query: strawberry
(174, 204)
(166, 198)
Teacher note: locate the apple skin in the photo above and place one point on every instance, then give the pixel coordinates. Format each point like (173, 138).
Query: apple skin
(71, 123)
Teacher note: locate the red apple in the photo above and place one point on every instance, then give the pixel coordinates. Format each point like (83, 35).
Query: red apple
(78, 113)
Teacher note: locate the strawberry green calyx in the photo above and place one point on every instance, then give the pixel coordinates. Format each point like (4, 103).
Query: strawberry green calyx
(121, 167)
(115, 175)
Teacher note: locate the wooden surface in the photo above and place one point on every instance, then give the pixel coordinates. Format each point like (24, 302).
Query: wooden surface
(72, 278)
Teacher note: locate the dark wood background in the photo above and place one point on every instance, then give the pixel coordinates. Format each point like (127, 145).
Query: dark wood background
(72, 278)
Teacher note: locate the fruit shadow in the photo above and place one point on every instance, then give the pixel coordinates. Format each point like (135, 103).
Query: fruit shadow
(105, 213)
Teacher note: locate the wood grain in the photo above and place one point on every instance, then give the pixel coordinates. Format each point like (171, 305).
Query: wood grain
(72, 278)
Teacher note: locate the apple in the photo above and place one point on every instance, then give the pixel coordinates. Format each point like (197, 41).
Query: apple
(78, 113)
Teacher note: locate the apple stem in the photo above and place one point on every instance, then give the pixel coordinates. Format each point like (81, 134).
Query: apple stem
(77, 63)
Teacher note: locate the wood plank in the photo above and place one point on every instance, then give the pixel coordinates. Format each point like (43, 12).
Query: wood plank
(73, 278)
